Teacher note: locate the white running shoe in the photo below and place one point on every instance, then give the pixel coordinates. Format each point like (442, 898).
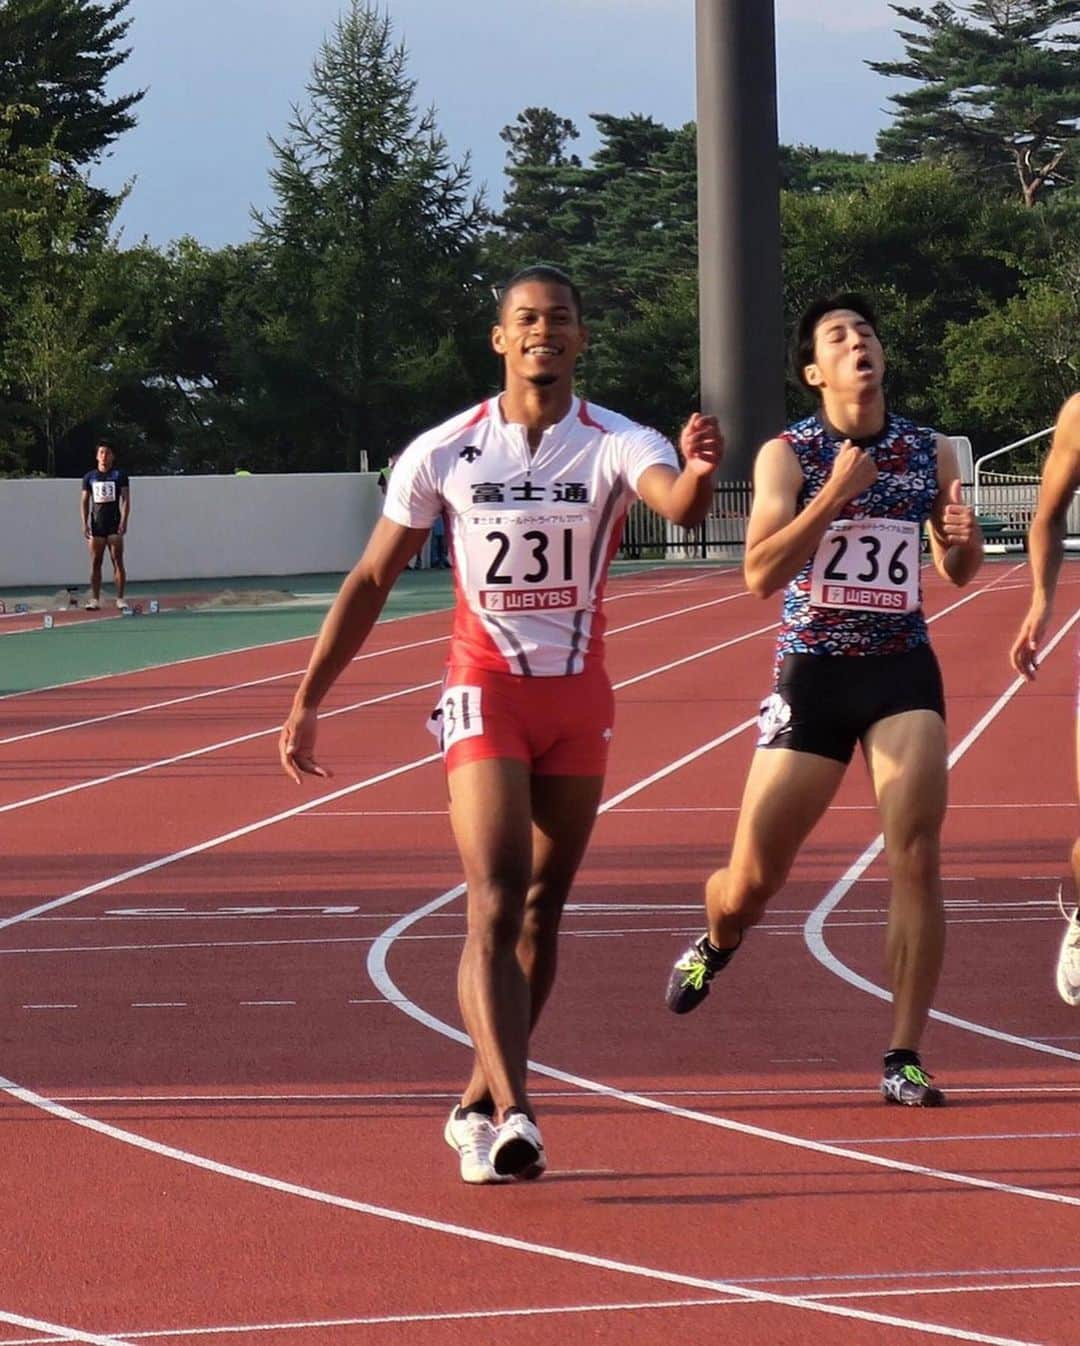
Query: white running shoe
(1068, 963)
(518, 1151)
(121, 603)
(472, 1135)
(92, 605)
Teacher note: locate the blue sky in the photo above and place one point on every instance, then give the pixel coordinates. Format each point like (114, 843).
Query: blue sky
(222, 75)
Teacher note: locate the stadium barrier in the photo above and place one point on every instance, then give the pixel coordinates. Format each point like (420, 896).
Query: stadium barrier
(199, 527)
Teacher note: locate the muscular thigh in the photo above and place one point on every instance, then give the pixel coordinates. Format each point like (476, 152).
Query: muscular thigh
(786, 793)
(908, 759)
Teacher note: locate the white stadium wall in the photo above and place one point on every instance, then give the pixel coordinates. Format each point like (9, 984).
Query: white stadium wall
(194, 527)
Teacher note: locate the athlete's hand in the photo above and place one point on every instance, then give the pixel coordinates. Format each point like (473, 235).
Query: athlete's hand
(296, 746)
(958, 524)
(1025, 648)
(853, 471)
(701, 444)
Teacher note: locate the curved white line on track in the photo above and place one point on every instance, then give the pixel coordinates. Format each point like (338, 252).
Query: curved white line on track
(377, 955)
(814, 929)
(377, 970)
(502, 1241)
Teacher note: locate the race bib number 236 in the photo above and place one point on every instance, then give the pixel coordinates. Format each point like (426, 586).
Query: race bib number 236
(869, 565)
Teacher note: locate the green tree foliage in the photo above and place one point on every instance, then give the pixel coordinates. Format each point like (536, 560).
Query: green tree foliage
(539, 185)
(997, 91)
(60, 354)
(56, 57)
(372, 258)
(1009, 371)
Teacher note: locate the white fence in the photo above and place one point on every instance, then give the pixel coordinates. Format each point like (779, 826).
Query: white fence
(194, 527)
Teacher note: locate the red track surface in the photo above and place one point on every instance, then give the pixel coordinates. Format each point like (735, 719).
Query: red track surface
(230, 1038)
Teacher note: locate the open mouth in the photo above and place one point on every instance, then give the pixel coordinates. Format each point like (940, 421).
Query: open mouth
(864, 365)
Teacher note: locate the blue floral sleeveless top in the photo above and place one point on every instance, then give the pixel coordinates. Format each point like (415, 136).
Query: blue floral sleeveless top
(906, 488)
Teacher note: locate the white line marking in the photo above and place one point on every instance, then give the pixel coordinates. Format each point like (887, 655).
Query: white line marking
(200, 847)
(60, 1333)
(379, 975)
(203, 695)
(501, 1241)
(203, 751)
(814, 932)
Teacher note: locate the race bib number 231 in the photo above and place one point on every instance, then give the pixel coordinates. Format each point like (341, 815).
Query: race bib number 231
(520, 561)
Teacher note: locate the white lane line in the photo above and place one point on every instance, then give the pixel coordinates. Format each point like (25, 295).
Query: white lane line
(564, 1310)
(200, 847)
(814, 932)
(377, 971)
(440, 639)
(502, 1241)
(201, 752)
(61, 1333)
(274, 729)
(203, 695)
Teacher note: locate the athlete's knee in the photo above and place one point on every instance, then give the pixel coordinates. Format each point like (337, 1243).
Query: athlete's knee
(916, 854)
(744, 893)
(496, 914)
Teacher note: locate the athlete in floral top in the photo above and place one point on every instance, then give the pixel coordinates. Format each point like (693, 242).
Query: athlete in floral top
(840, 503)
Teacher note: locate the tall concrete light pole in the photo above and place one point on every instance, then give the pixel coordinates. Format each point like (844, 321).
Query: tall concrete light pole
(740, 285)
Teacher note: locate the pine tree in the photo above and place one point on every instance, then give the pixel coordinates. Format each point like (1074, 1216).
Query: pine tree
(56, 57)
(998, 93)
(372, 240)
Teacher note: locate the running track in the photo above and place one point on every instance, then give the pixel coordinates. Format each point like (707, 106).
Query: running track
(229, 1036)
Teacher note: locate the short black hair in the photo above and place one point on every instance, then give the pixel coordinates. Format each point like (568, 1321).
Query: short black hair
(552, 275)
(802, 341)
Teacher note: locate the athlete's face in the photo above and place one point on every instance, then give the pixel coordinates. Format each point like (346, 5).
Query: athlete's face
(539, 333)
(847, 354)
(104, 458)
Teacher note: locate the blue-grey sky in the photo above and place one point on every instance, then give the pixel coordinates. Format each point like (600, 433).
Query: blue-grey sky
(222, 75)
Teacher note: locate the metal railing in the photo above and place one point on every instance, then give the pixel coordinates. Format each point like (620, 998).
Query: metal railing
(647, 536)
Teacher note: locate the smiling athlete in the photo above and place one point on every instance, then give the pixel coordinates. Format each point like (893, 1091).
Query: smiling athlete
(534, 486)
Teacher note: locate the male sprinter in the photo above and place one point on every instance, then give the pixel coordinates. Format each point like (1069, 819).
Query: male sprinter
(1046, 550)
(105, 509)
(840, 500)
(534, 485)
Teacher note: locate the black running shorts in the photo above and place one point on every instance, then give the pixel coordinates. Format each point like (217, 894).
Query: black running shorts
(824, 703)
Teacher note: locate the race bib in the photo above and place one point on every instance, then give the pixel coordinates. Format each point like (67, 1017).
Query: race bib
(527, 560)
(104, 492)
(868, 565)
(459, 715)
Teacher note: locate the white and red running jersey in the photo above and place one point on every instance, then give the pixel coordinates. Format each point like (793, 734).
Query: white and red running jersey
(532, 533)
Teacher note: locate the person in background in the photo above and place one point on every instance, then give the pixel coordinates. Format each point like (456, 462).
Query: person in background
(105, 506)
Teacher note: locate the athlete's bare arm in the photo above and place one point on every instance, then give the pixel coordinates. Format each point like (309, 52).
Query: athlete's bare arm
(780, 541)
(684, 497)
(1046, 537)
(346, 627)
(125, 509)
(956, 543)
(84, 511)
